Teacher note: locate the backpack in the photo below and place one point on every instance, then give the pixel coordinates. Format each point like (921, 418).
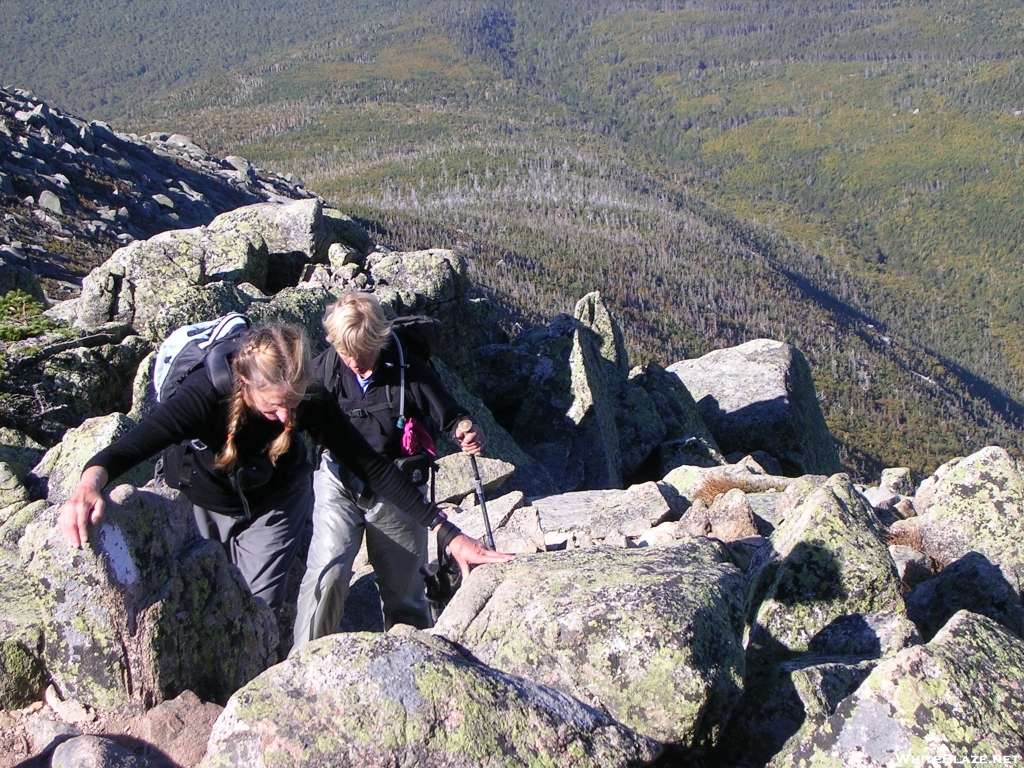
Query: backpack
(416, 335)
(199, 345)
(195, 346)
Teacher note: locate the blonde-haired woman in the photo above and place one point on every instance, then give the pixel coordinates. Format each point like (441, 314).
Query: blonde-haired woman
(384, 392)
(249, 482)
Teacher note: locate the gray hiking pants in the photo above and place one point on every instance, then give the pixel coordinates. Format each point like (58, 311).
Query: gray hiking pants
(264, 547)
(396, 545)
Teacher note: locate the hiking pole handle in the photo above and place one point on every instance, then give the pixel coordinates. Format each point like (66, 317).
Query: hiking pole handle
(478, 487)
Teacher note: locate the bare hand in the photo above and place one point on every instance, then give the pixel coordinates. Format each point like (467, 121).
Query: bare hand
(84, 508)
(470, 436)
(469, 552)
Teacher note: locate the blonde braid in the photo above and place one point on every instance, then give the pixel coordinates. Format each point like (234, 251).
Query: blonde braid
(237, 411)
(281, 443)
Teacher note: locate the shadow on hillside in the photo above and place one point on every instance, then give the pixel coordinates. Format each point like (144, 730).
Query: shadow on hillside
(1001, 402)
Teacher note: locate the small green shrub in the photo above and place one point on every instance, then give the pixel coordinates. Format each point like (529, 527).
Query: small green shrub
(21, 317)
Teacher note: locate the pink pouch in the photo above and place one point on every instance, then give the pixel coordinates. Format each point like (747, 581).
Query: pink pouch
(415, 438)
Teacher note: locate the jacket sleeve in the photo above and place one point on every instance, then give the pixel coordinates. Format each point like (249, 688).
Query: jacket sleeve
(186, 416)
(325, 421)
(431, 397)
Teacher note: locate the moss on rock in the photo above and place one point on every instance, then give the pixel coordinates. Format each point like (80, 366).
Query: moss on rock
(959, 695)
(653, 636)
(409, 699)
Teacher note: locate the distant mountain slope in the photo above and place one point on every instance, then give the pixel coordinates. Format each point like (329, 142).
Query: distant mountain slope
(718, 171)
(72, 192)
(99, 58)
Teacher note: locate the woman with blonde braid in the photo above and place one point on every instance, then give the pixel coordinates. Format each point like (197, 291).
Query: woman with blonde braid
(250, 483)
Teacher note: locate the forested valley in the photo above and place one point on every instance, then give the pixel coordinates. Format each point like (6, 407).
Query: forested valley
(842, 176)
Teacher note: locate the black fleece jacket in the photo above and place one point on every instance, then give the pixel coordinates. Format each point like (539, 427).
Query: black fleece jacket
(197, 412)
(426, 398)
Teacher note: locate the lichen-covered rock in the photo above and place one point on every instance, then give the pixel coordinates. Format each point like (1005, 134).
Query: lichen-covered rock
(297, 227)
(786, 700)
(865, 635)
(827, 559)
(89, 381)
(410, 699)
(62, 465)
(592, 312)
(22, 674)
(19, 451)
(139, 276)
(184, 276)
(530, 476)
(600, 514)
(433, 277)
(455, 479)
(925, 492)
(14, 521)
(345, 229)
(898, 480)
(303, 306)
(971, 583)
(470, 519)
(652, 635)
(190, 304)
(12, 492)
(600, 370)
(147, 610)
(760, 396)
(687, 440)
(569, 407)
(976, 506)
(959, 695)
(822, 684)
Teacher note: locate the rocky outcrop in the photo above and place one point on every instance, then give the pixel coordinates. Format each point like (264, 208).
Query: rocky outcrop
(136, 187)
(611, 516)
(186, 276)
(759, 396)
(976, 504)
(687, 440)
(148, 610)
(61, 467)
(827, 560)
(410, 699)
(530, 476)
(623, 616)
(971, 583)
(824, 591)
(958, 695)
(652, 636)
(568, 406)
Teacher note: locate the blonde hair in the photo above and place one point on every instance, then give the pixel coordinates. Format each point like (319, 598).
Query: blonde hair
(273, 355)
(356, 325)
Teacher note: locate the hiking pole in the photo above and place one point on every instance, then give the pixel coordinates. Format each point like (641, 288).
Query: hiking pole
(478, 487)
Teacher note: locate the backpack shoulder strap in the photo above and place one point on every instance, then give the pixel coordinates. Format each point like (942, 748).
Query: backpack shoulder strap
(218, 364)
(331, 361)
(400, 422)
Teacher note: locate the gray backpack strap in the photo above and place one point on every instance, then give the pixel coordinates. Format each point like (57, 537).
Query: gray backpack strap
(401, 382)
